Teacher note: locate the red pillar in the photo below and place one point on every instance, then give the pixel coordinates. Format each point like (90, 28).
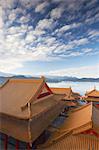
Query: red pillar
(6, 142)
(17, 145)
(28, 146)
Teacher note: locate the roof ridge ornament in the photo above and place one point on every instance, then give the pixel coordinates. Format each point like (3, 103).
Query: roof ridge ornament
(43, 77)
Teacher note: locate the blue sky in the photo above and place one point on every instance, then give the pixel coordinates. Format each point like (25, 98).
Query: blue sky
(50, 37)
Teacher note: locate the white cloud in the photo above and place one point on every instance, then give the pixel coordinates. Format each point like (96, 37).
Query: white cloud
(29, 3)
(93, 33)
(24, 19)
(12, 16)
(30, 38)
(50, 41)
(9, 65)
(16, 29)
(7, 3)
(56, 13)
(67, 27)
(93, 19)
(1, 18)
(81, 41)
(85, 71)
(73, 44)
(17, 49)
(44, 24)
(87, 50)
(14, 50)
(64, 28)
(25, 42)
(18, 11)
(75, 54)
(40, 7)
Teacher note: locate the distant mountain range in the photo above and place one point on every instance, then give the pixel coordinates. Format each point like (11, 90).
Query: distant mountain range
(51, 79)
(73, 79)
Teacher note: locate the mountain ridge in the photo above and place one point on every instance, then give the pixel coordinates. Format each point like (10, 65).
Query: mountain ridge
(50, 79)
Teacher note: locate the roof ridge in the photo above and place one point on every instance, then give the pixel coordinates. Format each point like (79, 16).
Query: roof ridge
(30, 100)
(92, 91)
(2, 85)
(25, 80)
(77, 109)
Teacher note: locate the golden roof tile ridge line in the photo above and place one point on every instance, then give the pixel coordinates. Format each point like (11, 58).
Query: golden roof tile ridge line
(81, 126)
(91, 91)
(92, 117)
(43, 98)
(88, 92)
(91, 111)
(38, 91)
(4, 83)
(62, 135)
(28, 80)
(81, 107)
(65, 133)
(34, 96)
(29, 124)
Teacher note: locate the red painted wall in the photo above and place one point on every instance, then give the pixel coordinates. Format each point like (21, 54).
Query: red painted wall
(92, 132)
(46, 93)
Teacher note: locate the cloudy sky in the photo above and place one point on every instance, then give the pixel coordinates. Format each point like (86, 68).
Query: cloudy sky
(53, 37)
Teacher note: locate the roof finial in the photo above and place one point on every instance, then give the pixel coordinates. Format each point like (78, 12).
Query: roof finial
(86, 92)
(42, 77)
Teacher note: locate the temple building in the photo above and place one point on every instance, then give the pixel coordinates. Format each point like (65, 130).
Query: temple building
(27, 107)
(92, 96)
(69, 94)
(79, 131)
(71, 97)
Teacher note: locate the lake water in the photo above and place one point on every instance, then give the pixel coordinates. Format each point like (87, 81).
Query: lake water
(80, 87)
